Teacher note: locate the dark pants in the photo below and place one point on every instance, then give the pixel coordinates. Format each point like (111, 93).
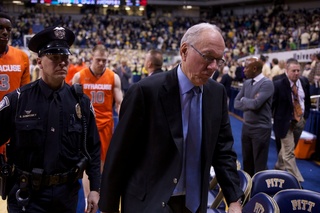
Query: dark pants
(178, 204)
(255, 148)
(61, 198)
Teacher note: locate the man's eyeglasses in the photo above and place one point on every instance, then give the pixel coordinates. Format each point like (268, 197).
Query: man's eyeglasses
(219, 61)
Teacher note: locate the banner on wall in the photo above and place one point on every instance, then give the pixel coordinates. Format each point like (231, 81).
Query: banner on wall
(303, 56)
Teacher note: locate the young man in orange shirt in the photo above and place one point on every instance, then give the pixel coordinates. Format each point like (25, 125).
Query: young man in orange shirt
(14, 63)
(103, 87)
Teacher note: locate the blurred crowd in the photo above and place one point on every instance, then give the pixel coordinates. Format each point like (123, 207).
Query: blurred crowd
(272, 29)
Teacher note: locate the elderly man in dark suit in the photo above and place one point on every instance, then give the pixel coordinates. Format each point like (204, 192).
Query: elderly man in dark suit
(153, 148)
(289, 120)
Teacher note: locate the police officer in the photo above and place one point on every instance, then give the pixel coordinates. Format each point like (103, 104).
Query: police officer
(52, 132)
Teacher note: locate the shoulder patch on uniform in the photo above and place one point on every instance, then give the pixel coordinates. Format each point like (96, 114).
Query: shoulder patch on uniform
(4, 103)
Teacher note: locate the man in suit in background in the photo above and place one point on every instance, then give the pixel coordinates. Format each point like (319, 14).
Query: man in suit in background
(148, 160)
(125, 75)
(153, 62)
(289, 121)
(314, 77)
(255, 99)
(239, 72)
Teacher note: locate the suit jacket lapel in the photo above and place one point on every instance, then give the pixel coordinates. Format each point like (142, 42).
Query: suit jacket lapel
(170, 99)
(288, 88)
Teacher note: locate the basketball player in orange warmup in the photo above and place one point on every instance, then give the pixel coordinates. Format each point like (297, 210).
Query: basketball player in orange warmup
(14, 63)
(103, 87)
(76, 67)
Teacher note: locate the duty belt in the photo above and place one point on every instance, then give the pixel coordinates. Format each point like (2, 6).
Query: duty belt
(36, 178)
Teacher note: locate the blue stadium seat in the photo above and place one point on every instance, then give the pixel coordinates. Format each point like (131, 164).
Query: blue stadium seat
(261, 202)
(246, 184)
(216, 199)
(298, 201)
(272, 181)
(215, 196)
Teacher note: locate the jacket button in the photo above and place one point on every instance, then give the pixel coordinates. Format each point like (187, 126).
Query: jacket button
(163, 204)
(175, 180)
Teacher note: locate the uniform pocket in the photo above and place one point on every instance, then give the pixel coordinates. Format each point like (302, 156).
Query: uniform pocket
(29, 132)
(72, 141)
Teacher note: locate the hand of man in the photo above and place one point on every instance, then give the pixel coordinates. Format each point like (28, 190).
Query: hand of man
(235, 207)
(93, 199)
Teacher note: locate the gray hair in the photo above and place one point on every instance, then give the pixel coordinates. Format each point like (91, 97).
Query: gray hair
(292, 61)
(193, 33)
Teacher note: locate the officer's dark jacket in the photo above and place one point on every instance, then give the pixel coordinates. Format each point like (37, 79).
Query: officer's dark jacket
(24, 114)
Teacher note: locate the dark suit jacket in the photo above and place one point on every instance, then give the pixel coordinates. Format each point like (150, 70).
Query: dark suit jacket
(157, 71)
(215, 75)
(144, 160)
(282, 106)
(277, 77)
(239, 74)
(226, 81)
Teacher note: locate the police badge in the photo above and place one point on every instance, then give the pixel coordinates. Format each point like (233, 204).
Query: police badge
(59, 32)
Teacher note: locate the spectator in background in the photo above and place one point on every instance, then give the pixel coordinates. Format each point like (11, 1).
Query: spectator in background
(313, 59)
(304, 39)
(292, 44)
(114, 68)
(37, 26)
(314, 37)
(314, 76)
(255, 99)
(136, 74)
(306, 71)
(289, 121)
(36, 73)
(266, 71)
(33, 67)
(125, 75)
(216, 75)
(153, 62)
(276, 70)
(77, 66)
(239, 75)
(14, 63)
(282, 66)
(226, 80)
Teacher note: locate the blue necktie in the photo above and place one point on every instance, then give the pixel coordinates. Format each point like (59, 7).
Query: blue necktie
(193, 153)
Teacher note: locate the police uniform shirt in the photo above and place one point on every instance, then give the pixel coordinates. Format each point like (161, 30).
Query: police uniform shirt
(24, 114)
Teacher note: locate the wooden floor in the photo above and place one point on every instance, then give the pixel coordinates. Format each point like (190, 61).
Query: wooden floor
(3, 206)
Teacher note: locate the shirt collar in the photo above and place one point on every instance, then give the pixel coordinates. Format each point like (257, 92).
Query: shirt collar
(47, 91)
(258, 77)
(185, 84)
(292, 83)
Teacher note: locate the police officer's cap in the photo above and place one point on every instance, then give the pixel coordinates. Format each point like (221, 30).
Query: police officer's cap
(52, 40)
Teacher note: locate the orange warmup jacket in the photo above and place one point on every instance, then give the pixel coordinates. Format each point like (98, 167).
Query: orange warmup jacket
(100, 91)
(14, 73)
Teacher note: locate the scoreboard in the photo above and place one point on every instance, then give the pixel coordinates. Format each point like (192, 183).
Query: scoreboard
(93, 2)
